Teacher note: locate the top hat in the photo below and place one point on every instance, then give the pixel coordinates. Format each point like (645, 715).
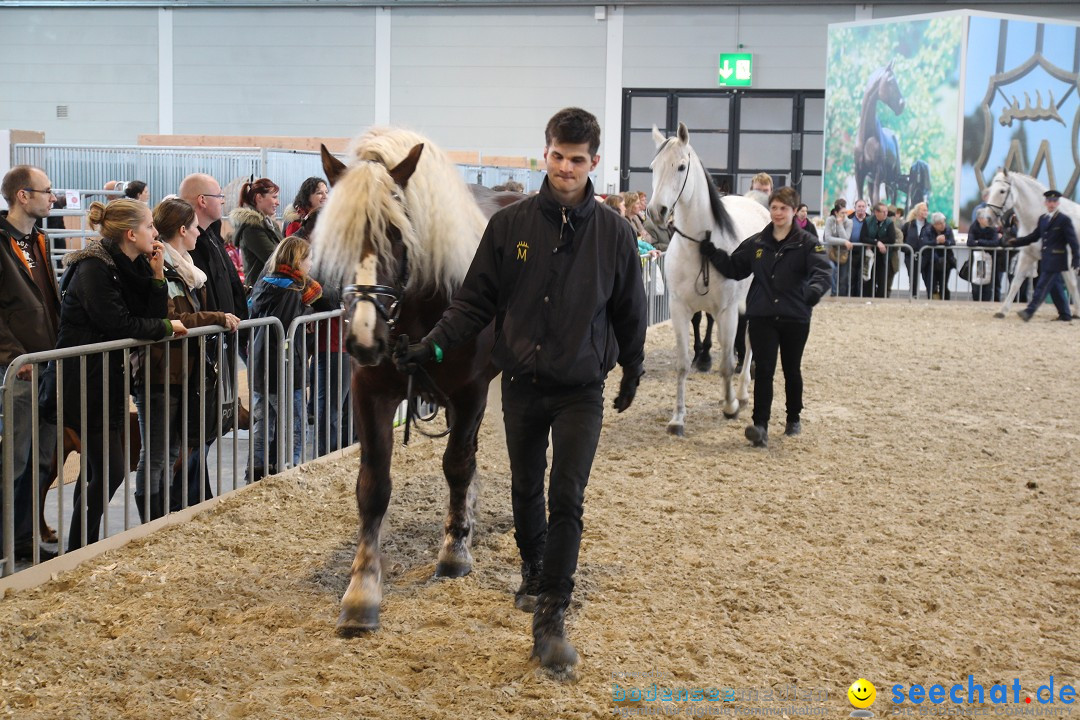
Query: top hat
(1051, 194)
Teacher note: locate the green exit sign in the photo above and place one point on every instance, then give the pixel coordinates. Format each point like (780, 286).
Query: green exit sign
(736, 70)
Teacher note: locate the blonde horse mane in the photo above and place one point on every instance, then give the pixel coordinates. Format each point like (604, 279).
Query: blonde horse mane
(440, 226)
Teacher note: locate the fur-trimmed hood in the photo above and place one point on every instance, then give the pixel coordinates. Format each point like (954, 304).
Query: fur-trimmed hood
(246, 216)
(93, 249)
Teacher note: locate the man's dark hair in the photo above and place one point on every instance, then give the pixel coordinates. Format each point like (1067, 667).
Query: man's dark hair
(573, 125)
(15, 180)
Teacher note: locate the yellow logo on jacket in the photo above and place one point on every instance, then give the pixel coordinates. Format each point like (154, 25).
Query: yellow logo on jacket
(522, 250)
(757, 254)
(819, 248)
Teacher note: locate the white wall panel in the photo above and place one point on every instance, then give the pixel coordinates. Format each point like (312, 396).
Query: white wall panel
(102, 64)
(280, 71)
(678, 47)
(490, 79)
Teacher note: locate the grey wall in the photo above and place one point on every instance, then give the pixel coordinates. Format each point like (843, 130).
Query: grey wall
(482, 79)
(490, 79)
(285, 71)
(102, 64)
(679, 47)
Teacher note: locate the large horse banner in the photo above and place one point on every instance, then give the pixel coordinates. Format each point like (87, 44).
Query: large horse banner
(891, 109)
(1021, 105)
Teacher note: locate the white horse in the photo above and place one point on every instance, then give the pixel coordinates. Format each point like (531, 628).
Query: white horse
(1024, 195)
(685, 198)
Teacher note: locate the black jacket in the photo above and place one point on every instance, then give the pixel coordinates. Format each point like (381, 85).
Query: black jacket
(1057, 233)
(276, 295)
(790, 276)
(105, 296)
(224, 291)
(564, 288)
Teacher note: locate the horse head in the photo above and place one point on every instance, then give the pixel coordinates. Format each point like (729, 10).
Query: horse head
(362, 242)
(671, 171)
(999, 192)
(883, 83)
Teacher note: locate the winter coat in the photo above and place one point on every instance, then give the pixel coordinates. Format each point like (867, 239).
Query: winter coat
(29, 319)
(183, 305)
(276, 295)
(790, 276)
(928, 238)
(563, 285)
(105, 296)
(256, 235)
(837, 232)
(224, 291)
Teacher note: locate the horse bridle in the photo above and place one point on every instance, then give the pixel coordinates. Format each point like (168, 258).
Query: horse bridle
(672, 227)
(386, 299)
(1000, 209)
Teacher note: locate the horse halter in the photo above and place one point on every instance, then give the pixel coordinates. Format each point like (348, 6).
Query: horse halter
(386, 299)
(999, 210)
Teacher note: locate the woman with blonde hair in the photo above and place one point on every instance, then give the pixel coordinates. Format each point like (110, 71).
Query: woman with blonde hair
(286, 292)
(255, 231)
(113, 289)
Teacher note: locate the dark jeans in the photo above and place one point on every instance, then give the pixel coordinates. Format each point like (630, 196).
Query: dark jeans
(767, 336)
(1053, 283)
(879, 278)
(332, 401)
(573, 416)
(95, 482)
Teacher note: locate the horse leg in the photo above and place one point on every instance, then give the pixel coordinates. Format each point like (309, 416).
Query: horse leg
(1070, 284)
(679, 323)
(459, 466)
(1023, 269)
(360, 604)
(727, 325)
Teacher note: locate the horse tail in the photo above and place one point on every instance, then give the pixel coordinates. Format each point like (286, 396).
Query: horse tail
(720, 215)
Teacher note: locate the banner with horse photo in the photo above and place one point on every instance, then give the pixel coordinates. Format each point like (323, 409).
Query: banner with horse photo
(891, 109)
(1021, 105)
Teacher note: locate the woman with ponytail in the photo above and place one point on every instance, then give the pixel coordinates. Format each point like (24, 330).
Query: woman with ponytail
(111, 290)
(255, 231)
(285, 292)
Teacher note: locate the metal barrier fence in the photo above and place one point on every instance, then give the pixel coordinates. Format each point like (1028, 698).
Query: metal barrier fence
(155, 438)
(955, 272)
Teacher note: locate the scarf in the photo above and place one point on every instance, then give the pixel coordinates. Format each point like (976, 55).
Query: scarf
(312, 290)
(192, 276)
(802, 223)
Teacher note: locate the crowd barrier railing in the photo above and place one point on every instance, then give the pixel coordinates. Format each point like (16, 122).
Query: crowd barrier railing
(22, 429)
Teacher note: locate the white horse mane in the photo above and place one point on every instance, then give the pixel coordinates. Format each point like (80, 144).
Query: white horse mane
(440, 226)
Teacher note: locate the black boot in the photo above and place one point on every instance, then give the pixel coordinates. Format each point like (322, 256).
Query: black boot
(550, 646)
(525, 597)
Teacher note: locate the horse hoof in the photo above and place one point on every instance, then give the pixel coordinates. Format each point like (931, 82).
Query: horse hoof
(999, 315)
(702, 364)
(677, 430)
(731, 415)
(447, 569)
(359, 621)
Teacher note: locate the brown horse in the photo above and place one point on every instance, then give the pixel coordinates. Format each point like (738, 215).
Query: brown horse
(877, 149)
(399, 232)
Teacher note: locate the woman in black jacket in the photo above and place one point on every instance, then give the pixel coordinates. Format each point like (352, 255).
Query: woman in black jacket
(113, 289)
(791, 273)
(255, 231)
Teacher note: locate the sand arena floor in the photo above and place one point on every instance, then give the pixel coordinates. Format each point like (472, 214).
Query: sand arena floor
(923, 527)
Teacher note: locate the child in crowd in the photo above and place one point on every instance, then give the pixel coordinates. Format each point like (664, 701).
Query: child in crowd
(285, 292)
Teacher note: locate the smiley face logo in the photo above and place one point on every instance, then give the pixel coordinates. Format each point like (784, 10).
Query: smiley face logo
(861, 694)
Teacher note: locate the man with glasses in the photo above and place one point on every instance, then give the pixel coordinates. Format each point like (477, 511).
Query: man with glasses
(224, 292)
(29, 318)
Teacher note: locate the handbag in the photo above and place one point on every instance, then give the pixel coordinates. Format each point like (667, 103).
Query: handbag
(868, 264)
(203, 402)
(965, 271)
